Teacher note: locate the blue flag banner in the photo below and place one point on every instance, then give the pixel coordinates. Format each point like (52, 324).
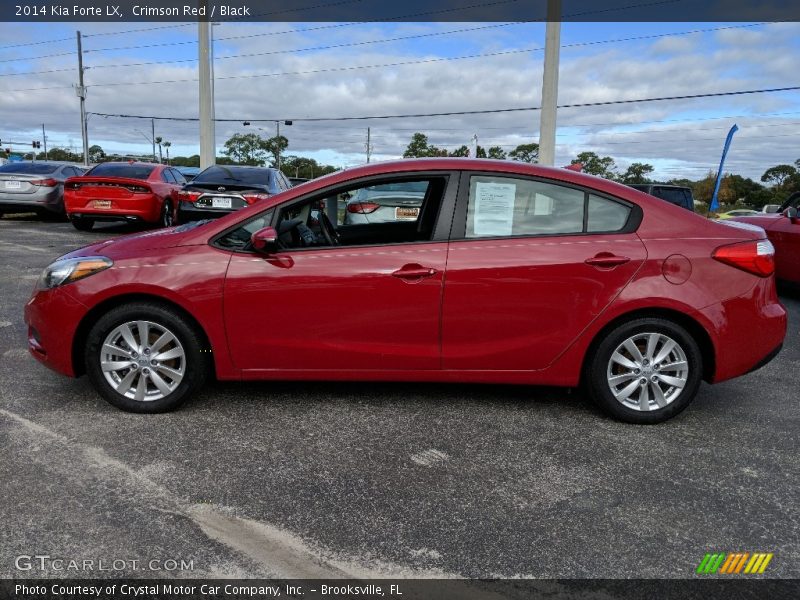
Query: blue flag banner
(714, 200)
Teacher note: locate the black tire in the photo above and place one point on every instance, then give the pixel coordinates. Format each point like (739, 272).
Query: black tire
(83, 224)
(195, 354)
(600, 368)
(166, 219)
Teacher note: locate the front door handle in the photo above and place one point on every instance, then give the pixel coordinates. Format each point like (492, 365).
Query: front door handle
(606, 260)
(414, 272)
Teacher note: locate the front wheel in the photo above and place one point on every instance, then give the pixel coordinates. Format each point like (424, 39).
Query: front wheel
(645, 371)
(145, 358)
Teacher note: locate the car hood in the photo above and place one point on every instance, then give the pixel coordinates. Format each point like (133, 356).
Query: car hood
(129, 245)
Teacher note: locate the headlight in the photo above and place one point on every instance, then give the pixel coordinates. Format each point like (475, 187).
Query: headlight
(71, 269)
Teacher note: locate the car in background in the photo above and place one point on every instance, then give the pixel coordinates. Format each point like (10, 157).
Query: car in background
(298, 180)
(511, 273)
(222, 189)
(188, 173)
(738, 212)
(771, 208)
(385, 203)
(676, 194)
(783, 230)
(133, 192)
(35, 187)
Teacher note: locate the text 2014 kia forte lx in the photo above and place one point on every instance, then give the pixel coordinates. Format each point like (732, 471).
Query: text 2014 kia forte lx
(510, 273)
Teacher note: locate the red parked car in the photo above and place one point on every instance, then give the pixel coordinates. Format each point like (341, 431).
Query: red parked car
(123, 191)
(511, 273)
(783, 230)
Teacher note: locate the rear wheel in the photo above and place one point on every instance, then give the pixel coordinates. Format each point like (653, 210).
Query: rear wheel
(83, 224)
(145, 358)
(166, 219)
(645, 371)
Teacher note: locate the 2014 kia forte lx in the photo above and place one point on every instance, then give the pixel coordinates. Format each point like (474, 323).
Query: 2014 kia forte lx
(506, 273)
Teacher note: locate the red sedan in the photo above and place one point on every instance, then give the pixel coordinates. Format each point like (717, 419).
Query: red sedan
(123, 191)
(510, 273)
(783, 230)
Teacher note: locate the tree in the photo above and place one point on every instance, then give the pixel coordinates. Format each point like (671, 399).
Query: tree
(637, 173)
(595, 165)
(96, 154)
(778, 174)
(528, 153)
(166, 146)
(460, 151)
(275, 146)
(300, 166)
(419, 147)
(158, 141)
(246, 149)
(497, 152)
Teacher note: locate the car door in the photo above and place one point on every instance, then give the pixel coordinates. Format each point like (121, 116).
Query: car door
(333, 310)
(531, 264)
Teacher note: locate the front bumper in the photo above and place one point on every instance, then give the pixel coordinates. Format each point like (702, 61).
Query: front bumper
(53, 317)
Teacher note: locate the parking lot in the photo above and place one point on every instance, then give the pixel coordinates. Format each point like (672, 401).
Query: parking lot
(340, 479)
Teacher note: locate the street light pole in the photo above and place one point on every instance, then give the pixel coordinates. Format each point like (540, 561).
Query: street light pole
(82, 93)
(207, 133)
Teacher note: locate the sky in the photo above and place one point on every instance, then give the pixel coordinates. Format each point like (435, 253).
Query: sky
(310, 70)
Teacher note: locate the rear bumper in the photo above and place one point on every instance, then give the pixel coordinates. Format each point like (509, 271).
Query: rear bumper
(143, 208)
(189, 211)
(750, 331)
(51, 202)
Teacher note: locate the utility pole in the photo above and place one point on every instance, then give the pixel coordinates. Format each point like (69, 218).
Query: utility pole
(207, 133)
(369, 145)
(278, 144)
(473, 153)
(44, 140)
(153, 137)
(82, 93)
(552, 47)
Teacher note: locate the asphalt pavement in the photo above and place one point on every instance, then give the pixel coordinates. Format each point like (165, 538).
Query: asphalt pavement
(382, 480)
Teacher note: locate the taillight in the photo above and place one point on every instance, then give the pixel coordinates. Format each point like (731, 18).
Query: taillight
(757, 257)
(362, 208)
(138, 189)
(188, 196)
(251, 198)
(72, 185)
(44, 182)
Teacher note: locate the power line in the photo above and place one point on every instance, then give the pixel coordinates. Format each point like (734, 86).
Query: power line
(69, 39)
(6, 60)
(468, 112)
(315, 48)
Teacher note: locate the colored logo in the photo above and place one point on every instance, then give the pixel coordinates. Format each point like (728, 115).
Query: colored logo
(734, 563)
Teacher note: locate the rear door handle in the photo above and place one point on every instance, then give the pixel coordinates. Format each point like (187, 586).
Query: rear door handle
(414, 272)
(606, 260)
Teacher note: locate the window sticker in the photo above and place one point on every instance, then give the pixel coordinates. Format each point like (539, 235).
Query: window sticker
(494, 208)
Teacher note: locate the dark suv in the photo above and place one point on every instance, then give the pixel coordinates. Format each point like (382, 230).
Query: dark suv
(682, 196)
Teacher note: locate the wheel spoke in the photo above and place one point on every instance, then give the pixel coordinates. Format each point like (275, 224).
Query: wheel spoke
(625, 362)
(144, 333)
(625, 392)
(127, 335)
(141, 388)
(619, 379)
(673, 381)
(116, 350)
(159, 382)
(676, 366)
(644, 397)
(170, 354)
(658, 395)
(115, 365)
(665, 350)
(631, 347)
(652, 343)
(124, 385)
(162, 341)
(176, 376)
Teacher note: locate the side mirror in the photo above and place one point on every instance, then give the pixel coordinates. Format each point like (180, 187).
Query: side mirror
(265, 240)
(791, 212)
